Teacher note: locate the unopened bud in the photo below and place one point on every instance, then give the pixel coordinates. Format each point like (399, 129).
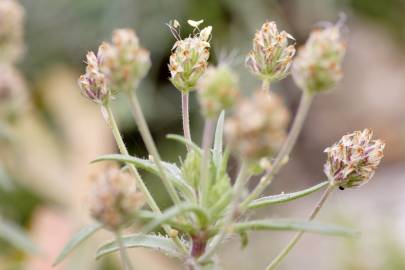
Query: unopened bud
(217, 90)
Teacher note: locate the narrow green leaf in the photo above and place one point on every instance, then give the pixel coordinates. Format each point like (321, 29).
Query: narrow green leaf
(154, 242)
(149, 166)
(175, 211)
(218, 141)
(14, 234)
(184, 141)
(294, 225)
(76, 240)
(285, 197)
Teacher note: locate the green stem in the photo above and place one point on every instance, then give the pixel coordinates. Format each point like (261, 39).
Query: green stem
(285, 151)
(205, 162)
(185, 117)
(150, 145)
(277, 261)
(110, 119)
(126, 263)
(266, 85)
(240, 182)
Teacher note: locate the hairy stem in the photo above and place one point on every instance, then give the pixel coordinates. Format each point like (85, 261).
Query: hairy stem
(150, 145)
(266, 85)
(285, 151)
(185, 117)
(240, 182)
(277, 261)
(205, 162)
(110, 119)
(126, 263)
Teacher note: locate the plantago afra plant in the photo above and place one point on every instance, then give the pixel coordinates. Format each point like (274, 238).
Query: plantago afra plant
(207, 204)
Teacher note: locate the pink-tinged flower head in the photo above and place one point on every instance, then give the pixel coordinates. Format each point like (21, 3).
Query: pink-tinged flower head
(114, 198)
(353, 160)
(93, 84)
(317, 66)
(271, 56)
(257, 128)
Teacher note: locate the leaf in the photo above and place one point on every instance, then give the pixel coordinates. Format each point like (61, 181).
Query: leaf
(176, 211)
(280, 198)
(218, 141)
(76, 240)
(184, 141)
(294, 225)
(14, 234)
(149, 166)
(154, 242)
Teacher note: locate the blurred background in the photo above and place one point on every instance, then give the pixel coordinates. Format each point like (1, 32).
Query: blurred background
(46, 146)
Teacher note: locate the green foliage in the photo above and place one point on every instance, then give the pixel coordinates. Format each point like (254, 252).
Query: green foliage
(294, 225)
(191, 168)
(285, 197)
(14, 234)
(155, 242)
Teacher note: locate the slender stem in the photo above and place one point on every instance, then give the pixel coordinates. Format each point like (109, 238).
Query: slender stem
(205, 162)
(240, 182)
(266, 85)
(185, 116)
(277, 261)
(150, 145)
(110, 119)
(126, 263)
(285, 151)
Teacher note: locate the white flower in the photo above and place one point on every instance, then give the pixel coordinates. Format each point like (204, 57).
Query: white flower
(189, 58)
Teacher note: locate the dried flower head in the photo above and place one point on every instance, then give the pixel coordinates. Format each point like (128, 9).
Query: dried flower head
(93, 84)
(13, 90)
(217, 90)
(189, 58)
(124, 62)
(11, 30)
(271, 56)
(258, 127)
(353, 160)
(114, 198)
(317, 66)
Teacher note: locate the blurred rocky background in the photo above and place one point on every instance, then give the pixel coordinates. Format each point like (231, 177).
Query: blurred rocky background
(57, 133)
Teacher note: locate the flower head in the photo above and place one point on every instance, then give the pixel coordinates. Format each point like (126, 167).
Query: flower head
(11, 30)
(114, 198)
(353, 160)
(317, 66)
(217, 90)
(271, 56)
(93, 84)
(258, 127)
(118, 66)
(189, 58)
(123, 61)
